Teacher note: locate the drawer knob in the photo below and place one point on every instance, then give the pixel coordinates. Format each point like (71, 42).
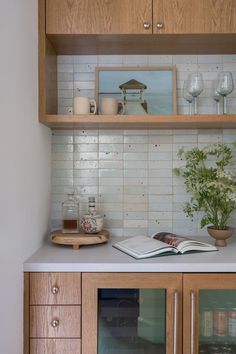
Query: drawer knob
(160, 25)
(146, 25)
(55, 290)
(55, 323)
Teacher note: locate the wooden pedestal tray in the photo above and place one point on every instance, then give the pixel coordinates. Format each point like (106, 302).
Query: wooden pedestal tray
(80, 239)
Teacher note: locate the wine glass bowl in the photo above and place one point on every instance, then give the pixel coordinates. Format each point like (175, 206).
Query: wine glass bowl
(225, 86)
(195, 87)
(195, 84)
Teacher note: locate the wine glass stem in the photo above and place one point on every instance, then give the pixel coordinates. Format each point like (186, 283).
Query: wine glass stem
(190, 108)
(224, 105)
(195, 105)
(218, 107)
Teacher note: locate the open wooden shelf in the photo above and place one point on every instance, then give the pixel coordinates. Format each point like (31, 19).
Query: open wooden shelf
(185, 44)
(134, 122)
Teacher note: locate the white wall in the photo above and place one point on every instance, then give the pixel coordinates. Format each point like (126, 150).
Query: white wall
(24, 163)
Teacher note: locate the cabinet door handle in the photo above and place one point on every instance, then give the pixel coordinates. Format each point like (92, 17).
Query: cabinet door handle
(146, 25)
(176, 315)
(55, 290)
(192, 321)
(55, 323)
(160, 25)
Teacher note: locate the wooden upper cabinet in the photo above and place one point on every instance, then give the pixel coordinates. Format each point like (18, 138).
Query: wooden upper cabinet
(98, 16)
(194, 16)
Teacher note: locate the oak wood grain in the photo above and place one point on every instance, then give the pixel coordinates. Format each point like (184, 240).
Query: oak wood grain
(196, 44)
(26, 349)
(94, 281)
(98, 17)
(41, 285)
(204, 121)
(55, 346)
(41, 318)
(79, 239)
(193, 283)
(47, 68)
(191, 16)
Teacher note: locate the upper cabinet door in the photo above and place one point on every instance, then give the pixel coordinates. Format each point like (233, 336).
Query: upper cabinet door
(98, 17)
(194, 16)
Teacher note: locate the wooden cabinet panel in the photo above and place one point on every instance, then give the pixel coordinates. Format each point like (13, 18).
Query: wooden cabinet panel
(98, 17)
(191, 16)
(94, 281)
(192, 284)
(42, 317)
(55, 288)
(55, 346)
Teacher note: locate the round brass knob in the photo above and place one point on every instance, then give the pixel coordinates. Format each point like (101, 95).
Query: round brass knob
(55, 290)
(160, 25)
(146, 25)
(55, 323)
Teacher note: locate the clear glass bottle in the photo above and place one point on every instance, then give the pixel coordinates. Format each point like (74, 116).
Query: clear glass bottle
(220, 318)
(206, 323)
(70, 215)
(92, 222)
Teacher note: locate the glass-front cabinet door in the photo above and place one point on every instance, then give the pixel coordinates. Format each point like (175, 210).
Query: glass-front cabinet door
(131, 313)
(209, 314)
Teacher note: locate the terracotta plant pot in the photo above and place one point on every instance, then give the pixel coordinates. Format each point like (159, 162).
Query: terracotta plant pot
(220, 235)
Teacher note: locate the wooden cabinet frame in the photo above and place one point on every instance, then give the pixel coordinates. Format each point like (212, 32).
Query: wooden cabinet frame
(192, 283)
(187, 285)
(52, 45)
(91, 282)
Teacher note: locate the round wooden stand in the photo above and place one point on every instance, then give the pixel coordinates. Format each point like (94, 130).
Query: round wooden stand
(79, 239)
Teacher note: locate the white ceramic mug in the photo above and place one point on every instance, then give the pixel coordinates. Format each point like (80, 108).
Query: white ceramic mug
(112, 106)
(83, 105)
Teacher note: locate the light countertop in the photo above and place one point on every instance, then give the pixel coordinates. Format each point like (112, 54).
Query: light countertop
(105, 258)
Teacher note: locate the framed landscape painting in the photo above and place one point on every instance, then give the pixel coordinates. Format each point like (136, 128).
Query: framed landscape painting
(144, 90)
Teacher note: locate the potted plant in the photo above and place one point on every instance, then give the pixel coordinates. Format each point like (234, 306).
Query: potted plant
(212, 185)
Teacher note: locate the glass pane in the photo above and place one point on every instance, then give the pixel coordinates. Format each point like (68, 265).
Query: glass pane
(217, 321)
(131, 321)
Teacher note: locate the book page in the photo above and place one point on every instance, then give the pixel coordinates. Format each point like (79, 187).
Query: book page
(183, 244)
(170, 239)
(142, 245)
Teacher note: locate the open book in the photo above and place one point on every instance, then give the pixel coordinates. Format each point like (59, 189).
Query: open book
(160, 244)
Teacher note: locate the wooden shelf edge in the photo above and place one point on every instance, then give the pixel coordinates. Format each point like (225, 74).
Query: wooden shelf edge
(134, 122)
(181, 43)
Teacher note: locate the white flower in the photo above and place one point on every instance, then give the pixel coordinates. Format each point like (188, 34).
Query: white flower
(225, 174)
(232, 197)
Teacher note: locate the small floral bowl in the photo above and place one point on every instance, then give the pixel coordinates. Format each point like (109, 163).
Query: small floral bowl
(91, 224)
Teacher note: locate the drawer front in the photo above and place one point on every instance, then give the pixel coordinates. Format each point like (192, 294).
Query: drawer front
(55, 321)
(55, 346)
(55, 288)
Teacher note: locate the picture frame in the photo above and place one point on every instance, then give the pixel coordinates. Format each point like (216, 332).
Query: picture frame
(143, 90)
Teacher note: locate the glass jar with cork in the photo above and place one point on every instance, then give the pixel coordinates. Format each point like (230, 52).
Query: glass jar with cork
(70, 215)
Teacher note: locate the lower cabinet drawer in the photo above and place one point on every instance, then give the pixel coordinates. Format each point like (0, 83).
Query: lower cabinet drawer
(55, 321)
(55, 346)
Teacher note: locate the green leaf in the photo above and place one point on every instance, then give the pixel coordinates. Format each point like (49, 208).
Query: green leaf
(206, 177)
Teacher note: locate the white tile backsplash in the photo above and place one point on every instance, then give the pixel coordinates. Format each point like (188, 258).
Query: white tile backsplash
(76, 75)
(130, 175)
(130, 171)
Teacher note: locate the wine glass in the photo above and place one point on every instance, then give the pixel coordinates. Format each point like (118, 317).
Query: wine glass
(187, 96)
(195, 87)
(216, 96)
(225, 86)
